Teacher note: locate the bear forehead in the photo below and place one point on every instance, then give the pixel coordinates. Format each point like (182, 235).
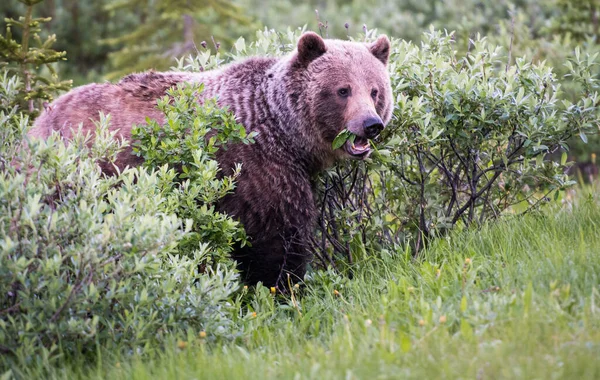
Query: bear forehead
(349, 50)
(350, 54)
(350, 62)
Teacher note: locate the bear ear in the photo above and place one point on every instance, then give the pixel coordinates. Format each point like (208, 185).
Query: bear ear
(381, 49)
(310, 47)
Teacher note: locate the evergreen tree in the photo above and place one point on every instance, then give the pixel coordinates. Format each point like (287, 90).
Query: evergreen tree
(172, 28)
(31, 61)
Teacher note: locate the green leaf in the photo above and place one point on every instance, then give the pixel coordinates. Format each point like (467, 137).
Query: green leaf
(7, 375)
(240, 45)
(528, 298)
(466, 330)
(357, 247)
(463, 304)
(405, 343)
(341, 139)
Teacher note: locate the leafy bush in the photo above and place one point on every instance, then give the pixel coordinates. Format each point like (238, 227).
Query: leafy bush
(89, 259)
(468, 143)
(86, 258)
(472, 132)
(183, 150)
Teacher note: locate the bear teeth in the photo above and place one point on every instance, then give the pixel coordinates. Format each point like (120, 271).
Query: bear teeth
(363, 144)
(359, 148)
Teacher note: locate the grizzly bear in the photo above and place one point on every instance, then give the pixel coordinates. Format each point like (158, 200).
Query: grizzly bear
(298, 104)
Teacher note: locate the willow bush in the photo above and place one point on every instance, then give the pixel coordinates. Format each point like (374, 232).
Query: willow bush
(87, 259)
(468, 143)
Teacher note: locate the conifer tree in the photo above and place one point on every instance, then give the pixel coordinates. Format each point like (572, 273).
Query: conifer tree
(172, 28)
(31, 61)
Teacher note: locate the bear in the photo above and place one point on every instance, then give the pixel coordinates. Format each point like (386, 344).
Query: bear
(297, 104)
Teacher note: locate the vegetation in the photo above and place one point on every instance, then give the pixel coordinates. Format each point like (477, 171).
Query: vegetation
(433, 259)
(184, 157)
(169, 29)
(518, 299)
(87, 259)
(467, 143)
(29, 88)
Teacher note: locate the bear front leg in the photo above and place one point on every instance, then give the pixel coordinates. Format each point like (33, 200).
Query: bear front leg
(273, 262)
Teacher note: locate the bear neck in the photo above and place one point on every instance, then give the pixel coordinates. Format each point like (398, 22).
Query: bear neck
(285, 91)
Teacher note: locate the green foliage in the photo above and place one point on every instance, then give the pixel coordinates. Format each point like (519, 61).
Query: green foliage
(551, 31)
(172, 28)
(126, 261)
(517, 299)
(341, 139)
(87, 259)
(578, 19)
(24, 60)
(468, 142)
(406, 19)
(183, 150)
(470, 134)
(81, 26)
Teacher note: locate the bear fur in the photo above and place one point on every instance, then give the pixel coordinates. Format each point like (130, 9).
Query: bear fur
(298, 104)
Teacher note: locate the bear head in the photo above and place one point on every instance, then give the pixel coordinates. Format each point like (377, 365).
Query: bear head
(346, 86)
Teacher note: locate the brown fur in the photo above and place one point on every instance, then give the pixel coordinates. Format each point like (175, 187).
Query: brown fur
(294, 103)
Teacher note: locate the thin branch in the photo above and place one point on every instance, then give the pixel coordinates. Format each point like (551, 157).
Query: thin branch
(75, 289)
(11, 309)
(462, 209)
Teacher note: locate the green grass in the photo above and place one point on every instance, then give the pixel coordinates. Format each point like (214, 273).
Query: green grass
(519, 299)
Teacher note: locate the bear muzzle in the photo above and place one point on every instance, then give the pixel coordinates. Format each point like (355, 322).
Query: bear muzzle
(364, 129)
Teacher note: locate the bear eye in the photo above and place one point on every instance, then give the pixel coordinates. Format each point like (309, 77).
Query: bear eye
(374, 93)
(344, 92)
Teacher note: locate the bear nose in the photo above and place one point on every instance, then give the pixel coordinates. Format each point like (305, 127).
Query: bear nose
(372, 127)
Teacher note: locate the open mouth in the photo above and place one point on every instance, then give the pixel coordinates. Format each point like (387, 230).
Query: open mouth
(360, 148)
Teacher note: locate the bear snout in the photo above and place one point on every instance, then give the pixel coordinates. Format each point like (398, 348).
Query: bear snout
(372, 127)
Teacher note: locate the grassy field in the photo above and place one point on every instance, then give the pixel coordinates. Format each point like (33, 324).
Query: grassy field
(519, 299)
